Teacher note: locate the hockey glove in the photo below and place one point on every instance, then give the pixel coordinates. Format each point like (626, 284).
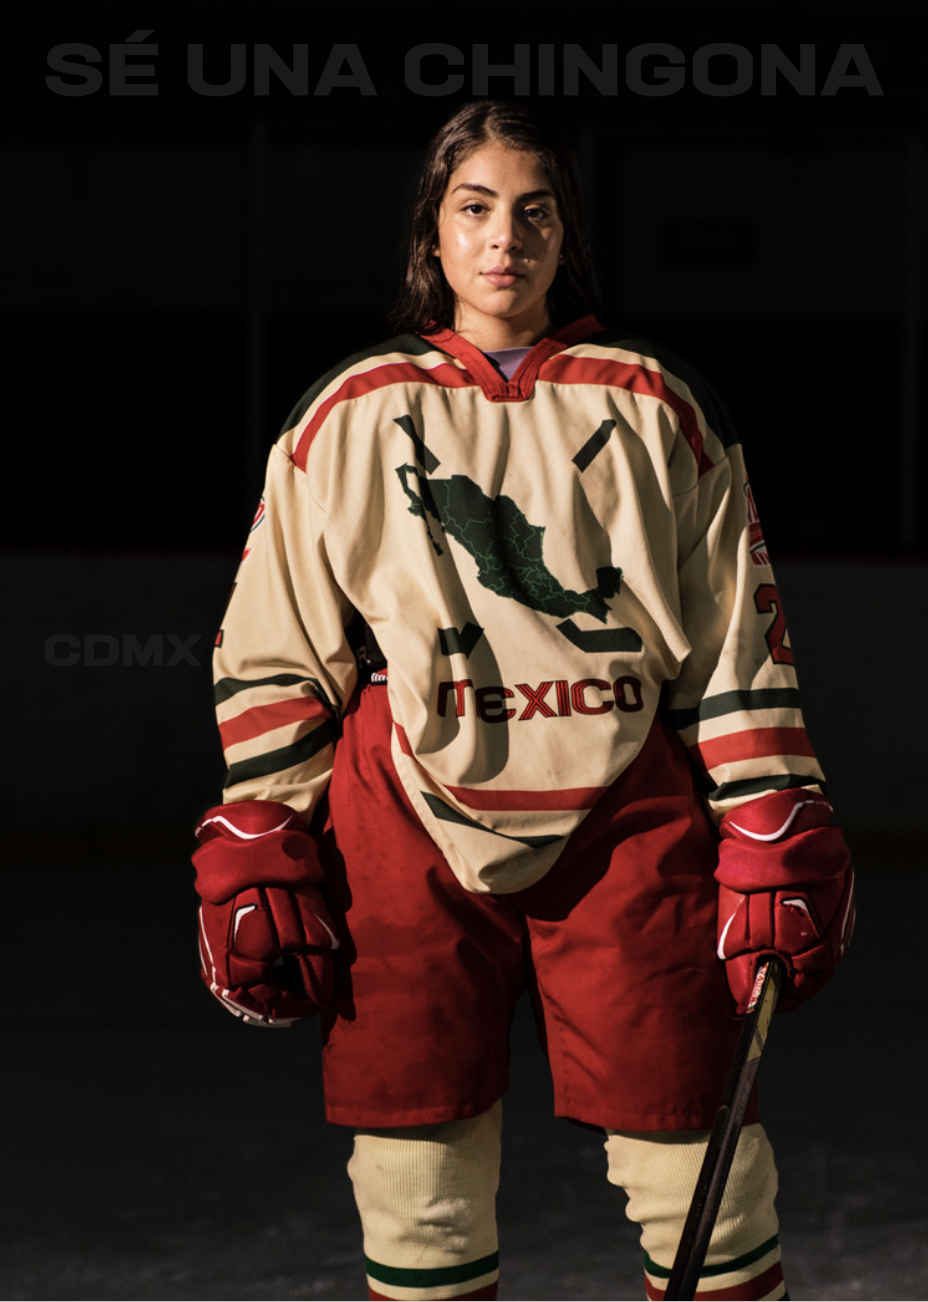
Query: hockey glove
(267, 940)
(786, 888)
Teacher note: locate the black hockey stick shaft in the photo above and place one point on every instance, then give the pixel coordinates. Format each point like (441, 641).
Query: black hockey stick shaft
(723, 1140)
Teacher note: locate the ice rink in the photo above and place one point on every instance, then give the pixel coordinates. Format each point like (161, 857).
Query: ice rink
(157, 1149)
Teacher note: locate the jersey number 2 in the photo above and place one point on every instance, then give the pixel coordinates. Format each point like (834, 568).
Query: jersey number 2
(767, 599)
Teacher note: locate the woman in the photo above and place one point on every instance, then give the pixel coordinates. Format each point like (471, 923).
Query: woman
(572, 753)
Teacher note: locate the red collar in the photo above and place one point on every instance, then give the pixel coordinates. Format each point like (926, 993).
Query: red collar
(483, 372)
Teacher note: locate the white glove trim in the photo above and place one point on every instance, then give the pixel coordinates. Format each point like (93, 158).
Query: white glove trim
(245, 836)
(772, 836)
(721, 948)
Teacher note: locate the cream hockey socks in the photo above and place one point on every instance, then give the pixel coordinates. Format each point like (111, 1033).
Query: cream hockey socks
(427, 1200)
(658, 1171)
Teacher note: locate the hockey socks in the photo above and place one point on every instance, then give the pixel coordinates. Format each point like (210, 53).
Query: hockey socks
(658, 1172)
(426, 1196)
(427, 1200)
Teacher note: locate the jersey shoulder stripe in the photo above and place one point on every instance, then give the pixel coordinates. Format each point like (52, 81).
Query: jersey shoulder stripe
(637, 378)
(704, 393)
(411, 345)
(356, 386)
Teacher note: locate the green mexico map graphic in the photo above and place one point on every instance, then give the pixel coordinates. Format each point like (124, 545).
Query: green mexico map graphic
(505, 546)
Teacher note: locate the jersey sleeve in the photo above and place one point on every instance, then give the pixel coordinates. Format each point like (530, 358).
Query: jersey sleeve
(735, 703)
(283, 667)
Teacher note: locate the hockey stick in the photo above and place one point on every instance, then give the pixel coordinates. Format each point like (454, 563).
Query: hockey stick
(713, 1176)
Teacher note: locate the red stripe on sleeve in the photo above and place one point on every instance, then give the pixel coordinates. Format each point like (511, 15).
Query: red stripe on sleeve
(632, 376)
(265, 718)
(753, 745)
(444, 375)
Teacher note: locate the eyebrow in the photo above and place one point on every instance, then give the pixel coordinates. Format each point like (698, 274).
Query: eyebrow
(485, 189)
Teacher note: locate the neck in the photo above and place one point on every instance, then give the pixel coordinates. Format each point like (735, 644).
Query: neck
(493, 334)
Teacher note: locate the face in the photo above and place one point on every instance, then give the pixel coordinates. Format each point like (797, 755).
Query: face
(499, 240)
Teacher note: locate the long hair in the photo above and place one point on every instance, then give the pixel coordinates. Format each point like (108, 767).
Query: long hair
(426, 302)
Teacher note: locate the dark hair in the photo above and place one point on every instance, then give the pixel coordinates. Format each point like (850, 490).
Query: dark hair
(425, 302)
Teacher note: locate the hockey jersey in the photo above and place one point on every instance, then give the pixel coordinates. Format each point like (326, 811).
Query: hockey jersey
(545, 562)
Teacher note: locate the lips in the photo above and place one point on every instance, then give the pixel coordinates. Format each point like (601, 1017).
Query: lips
(502, 276)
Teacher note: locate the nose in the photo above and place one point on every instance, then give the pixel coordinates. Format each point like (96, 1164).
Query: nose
(504, 233)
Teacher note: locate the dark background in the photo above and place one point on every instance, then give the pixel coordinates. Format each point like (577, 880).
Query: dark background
(183, 263)
(178, 269)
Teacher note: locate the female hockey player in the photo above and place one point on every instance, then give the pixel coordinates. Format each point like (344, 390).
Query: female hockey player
(507, 700)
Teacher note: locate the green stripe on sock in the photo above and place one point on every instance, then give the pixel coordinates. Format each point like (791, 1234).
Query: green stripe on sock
(738, 1263)
(409, 1278)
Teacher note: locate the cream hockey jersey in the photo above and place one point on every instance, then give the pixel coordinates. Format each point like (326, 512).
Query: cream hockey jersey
(544, 561)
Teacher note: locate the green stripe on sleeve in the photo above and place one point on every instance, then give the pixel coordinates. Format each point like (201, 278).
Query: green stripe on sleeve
(752, 786)
(713, 707)
(287, 757)
(226, 688)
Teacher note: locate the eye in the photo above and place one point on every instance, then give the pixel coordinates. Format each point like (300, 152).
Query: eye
(474, 207)
(535, 213)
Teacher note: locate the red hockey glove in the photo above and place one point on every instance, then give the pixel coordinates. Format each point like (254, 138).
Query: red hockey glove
(786, 887)
(266, 937)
